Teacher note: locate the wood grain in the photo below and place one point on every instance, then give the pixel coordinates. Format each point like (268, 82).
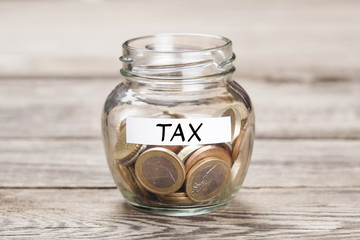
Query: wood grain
(275, 163)
(278, 39)
(72, 108)
(254, 214)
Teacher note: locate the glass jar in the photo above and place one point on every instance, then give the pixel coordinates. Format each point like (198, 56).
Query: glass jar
(178, 131)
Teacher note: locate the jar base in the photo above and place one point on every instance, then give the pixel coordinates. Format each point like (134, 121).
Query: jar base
(191, 211)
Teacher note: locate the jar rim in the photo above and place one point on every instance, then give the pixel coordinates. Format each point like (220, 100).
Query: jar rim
(129, 43)
(177, 56)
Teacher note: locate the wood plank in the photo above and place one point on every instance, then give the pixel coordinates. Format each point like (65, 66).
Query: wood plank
(72, 108)
(54, 163)
(275, 163)
(279, 39)
(254, 214)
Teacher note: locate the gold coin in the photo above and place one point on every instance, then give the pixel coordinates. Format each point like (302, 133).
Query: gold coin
(177, 197)
(226, 146)
(128, 179)
(143, 191)
(181, 200)
(207, 179)
(238, 141)
(160, 171)
(244, 157)
(186, 152)
(173, 115)
(175, 148)
(176, 194)
(118, 175)
(112, 121)
(125, 152)
(168, 114)
(237, 113)
(235, 121)
(120, 127)
(208, 151)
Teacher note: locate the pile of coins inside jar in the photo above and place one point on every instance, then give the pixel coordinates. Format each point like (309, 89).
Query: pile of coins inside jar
(180, 175)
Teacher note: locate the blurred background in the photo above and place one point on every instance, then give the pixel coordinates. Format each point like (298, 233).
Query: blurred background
(281, 40)
(298, 59)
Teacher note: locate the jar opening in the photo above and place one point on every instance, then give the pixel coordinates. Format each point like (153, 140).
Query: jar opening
(177, 56)
(174, 43)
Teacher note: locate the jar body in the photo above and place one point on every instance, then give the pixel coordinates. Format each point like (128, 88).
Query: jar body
(219, 97)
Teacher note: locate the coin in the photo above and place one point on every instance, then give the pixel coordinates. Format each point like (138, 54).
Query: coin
(118, 174)
(245, 153)
(186, 152)
(168, 114)
(173, 115)
(143, 191)
(207, 179)
(125, 152)
(160, 171)
(226, 146)
(176, 194)
(237, 113)
(208, 151)
(179, 200)
(173, 148)
(235, 121)
(241, 165)
(238, 142)
(127, 179)
(120, 127)
(111, 123)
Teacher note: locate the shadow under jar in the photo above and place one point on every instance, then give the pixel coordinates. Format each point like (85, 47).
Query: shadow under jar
(178, 131)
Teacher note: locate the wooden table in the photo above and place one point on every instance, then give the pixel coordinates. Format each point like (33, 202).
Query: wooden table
(299, 61)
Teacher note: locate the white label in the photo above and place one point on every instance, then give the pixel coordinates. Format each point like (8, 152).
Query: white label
(185, 131)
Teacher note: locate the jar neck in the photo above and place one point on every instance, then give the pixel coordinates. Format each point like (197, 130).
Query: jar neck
(172, 93)
(177, 59)
(200, 86)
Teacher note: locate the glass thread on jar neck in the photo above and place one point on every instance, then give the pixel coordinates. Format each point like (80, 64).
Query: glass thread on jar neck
(177, 58)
